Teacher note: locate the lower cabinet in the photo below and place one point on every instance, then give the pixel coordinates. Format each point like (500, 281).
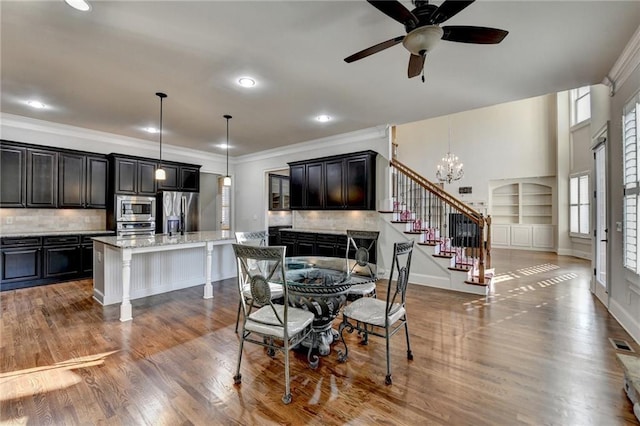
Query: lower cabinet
(528, 237)
(318, 244)
(32, 261)
(21, 259)
(62, 257)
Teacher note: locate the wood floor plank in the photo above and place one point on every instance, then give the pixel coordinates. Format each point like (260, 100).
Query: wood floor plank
(536, 351)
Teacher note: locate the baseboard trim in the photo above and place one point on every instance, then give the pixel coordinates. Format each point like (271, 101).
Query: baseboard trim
(627, 321)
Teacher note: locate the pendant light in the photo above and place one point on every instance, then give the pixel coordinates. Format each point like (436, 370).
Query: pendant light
(160, 173)
(227, 179)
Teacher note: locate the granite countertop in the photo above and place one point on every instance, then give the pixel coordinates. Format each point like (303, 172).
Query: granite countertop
(160, 240)
(316, 231)
(55, 233)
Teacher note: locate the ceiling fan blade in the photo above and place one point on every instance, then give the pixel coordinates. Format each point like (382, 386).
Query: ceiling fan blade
(395, 10)
(416, 64)
(448, 9)
(476, 35)
(374, 49)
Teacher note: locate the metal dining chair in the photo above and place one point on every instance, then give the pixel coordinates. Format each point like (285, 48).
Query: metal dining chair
(254, 238)
(274, 326)
(363, 245)
(382, 318)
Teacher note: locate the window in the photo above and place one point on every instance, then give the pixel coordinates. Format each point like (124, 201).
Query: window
(580, 105)
(225, 205)
(579, 205)
(630, 120)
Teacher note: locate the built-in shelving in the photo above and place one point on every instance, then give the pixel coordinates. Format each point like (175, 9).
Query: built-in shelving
(522, 212)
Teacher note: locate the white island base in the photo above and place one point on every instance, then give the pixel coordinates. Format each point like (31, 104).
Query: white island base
(124, 270)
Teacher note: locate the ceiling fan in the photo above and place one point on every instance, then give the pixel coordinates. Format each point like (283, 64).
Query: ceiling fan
(422, 25)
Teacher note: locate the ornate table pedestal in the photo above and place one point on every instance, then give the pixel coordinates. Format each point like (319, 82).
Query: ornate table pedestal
(320, 285)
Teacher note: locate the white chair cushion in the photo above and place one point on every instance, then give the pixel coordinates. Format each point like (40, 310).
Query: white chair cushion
(373, 311)
(362, 289)
(276, 291)
(298, 320)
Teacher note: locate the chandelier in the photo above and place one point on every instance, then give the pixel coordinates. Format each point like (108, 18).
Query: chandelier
(450, 168)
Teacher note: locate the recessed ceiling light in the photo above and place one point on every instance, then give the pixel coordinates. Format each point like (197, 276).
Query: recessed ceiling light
(323, 118)
(246, 82)
(80, 5)
(36, 104)
(150, 130)
(224, 145)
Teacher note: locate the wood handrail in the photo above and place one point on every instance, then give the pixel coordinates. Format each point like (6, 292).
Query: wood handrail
(471, 213)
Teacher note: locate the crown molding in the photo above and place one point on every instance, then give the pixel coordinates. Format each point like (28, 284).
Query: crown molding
(626, 63)
(111, 141)
(378, 132)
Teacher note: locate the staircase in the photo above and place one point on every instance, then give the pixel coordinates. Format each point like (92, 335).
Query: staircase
(452, 239)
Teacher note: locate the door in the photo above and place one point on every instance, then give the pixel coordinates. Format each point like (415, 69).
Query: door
(599, 285)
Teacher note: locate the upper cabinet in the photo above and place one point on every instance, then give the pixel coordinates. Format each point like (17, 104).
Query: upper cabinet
(133, 176)
(40, 177)
(342, 182)
(13, 176)
(82, 181)
(180, 177)
(278, 192)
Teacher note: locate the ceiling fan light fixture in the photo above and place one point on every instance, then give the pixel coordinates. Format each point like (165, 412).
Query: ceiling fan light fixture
(423, 39)
(80, 5)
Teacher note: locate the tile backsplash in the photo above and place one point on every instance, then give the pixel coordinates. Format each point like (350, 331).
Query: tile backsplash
(335, 220)
(49, 220)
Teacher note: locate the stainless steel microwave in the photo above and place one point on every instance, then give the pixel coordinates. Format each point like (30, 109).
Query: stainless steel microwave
(135, 209)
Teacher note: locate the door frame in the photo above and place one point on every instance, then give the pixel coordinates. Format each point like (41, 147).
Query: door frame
(600, 230)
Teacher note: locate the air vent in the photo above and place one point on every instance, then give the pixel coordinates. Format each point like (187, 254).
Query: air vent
(621, 345)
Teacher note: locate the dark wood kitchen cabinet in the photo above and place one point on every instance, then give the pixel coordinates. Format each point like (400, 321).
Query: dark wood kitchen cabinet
(341, 182)
(180, 177)
(13, 176)
(61, 256)
(36, 177)
(96, 182)
(21, 260)
(133, 176)
(42, 178)
(305, 243)
(307, 186)
(46, 259)
(82, 181)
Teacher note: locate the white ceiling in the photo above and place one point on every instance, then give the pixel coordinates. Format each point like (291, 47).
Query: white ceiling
(100, 70)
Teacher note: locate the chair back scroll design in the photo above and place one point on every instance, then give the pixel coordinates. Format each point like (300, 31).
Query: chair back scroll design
(252, 238)
(364, 243)
(401, 269)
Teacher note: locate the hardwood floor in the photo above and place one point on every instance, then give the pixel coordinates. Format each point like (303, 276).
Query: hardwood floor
(536, 352)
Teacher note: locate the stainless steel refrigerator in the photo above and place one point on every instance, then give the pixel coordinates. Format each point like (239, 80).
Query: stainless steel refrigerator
(177, 212)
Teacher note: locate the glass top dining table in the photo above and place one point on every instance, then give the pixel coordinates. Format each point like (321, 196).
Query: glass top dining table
(320, 285)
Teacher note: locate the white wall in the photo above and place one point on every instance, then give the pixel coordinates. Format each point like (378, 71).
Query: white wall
(506, 141)
(250, 184)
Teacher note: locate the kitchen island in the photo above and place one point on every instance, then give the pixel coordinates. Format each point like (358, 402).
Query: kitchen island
(130, 268)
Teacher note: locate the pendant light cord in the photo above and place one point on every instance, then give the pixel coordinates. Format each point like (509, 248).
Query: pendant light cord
(161, 96)
(227, 116)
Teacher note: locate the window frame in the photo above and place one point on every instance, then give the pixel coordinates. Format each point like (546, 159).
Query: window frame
(583, 206)
(576, 96)
(631, 185)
